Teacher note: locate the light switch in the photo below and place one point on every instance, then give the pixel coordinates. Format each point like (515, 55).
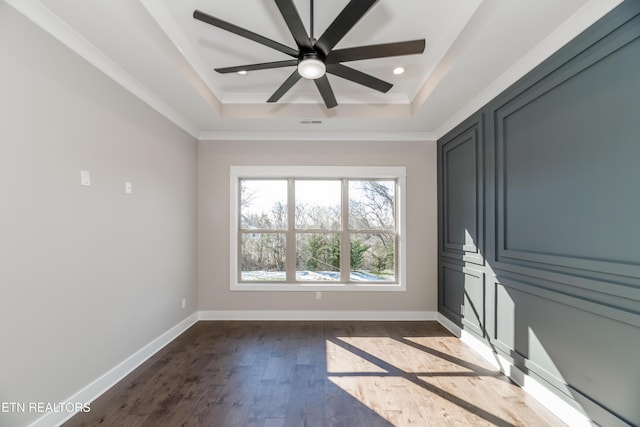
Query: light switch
(127, 188)
(85, 178)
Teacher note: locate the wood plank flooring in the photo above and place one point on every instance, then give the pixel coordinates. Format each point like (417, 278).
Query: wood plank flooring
(276, 374)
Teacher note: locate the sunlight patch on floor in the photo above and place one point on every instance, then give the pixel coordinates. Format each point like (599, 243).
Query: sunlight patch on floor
(389, 397)
(393, 376)
(343, 360)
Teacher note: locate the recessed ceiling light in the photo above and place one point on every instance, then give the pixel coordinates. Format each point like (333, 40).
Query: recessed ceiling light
(398, 70)
(243, 72)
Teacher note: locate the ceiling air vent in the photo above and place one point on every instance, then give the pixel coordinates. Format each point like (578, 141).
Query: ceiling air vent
(310, 122)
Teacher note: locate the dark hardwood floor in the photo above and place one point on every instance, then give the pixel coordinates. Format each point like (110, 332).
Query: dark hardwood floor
(273, 374)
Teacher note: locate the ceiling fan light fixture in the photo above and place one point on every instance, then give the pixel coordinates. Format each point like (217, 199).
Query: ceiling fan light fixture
(311, 67)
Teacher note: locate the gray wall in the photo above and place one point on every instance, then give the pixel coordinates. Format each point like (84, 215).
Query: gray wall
(88, 275)
(539, 202)
(214, 159)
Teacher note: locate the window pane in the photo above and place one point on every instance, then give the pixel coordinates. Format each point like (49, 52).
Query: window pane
(263, 256)
(318, 257)
(263, 204)
(318, 204)
(372, 257)
(372, 205)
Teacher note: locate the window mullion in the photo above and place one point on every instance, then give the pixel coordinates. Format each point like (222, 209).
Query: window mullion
(345, 241)
(291, 235)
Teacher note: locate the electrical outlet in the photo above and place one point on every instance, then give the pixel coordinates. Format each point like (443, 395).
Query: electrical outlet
(318, 295)
(184, 302)
(127, 187)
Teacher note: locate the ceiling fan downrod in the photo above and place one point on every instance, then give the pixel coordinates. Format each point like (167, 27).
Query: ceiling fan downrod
(311, 25)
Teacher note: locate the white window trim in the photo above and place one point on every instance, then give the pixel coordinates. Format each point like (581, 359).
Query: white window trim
(353, 172)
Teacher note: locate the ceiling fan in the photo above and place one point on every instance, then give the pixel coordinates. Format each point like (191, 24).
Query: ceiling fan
(314, 58)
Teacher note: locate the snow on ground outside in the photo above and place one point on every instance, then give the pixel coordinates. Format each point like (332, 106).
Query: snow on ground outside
(315, 276)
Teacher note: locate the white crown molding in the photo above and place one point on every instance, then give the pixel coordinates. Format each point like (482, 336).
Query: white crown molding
(572, 27)
(56, 27)
(312, 135)
(96, 388)
(316, 315)
(190, 61)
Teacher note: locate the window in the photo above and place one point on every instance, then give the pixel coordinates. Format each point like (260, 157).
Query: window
(317, 228)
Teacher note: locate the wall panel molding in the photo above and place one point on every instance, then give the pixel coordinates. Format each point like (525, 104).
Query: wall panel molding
(462, 295)
(460, 158)
(539, 325)
(613, 313)
(557, 216)
(598, 288)
(450, 296)
(579, 74)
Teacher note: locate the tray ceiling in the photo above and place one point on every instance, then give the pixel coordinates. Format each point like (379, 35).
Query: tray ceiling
(158, 51)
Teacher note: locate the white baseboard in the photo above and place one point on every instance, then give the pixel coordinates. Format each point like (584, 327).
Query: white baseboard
(561, 409)
(316, 315)
(449, 325)
(109, 379)
(105, 382)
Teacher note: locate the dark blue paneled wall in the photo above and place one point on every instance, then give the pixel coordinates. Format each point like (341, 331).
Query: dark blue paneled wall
(539, 219)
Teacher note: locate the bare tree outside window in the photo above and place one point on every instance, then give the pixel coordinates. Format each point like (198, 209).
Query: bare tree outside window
(322, 228)
(372, 225)
(263, 209)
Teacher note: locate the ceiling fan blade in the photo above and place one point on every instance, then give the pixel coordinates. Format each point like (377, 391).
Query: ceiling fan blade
(284, 88)
(201, 16)
(326, 92)
(294, 22)
(359, 77)
(340, 26)
(385, 50)
(262, 66)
